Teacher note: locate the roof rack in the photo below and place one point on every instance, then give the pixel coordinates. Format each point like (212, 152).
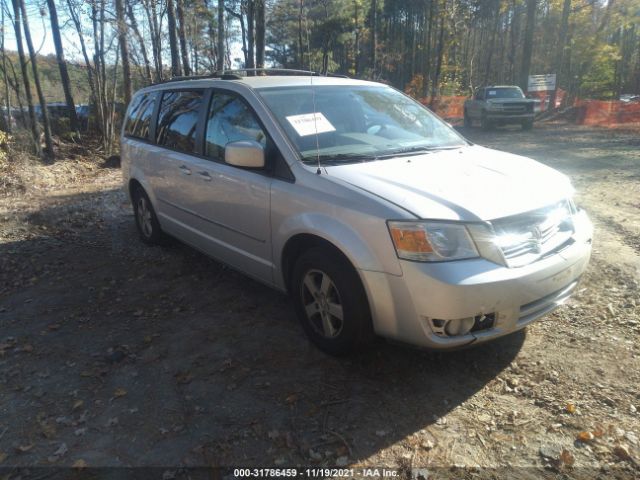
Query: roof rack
(234, 74)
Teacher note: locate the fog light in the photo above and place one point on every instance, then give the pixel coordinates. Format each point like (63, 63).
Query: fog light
(461, 326)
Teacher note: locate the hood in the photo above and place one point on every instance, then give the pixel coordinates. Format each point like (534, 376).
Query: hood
(470, 184)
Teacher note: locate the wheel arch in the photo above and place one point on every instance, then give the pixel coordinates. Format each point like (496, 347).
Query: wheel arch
(297, 245)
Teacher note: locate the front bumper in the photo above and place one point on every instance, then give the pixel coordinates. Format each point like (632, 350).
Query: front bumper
(509, 117)
(404, 307)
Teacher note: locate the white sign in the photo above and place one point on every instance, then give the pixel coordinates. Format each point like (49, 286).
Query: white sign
(542, 83)
(310, 124)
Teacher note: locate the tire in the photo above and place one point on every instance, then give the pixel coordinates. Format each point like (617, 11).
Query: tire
(146, 219)
(467, 120)
(527, 125)
(324, 287)
(485, 123)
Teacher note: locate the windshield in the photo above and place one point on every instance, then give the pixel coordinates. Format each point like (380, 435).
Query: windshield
(511, 92)
(356, 123)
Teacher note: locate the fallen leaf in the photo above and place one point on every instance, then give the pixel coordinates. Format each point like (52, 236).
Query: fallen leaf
(183, 377)
(54, 326)
(62, 450)
(570, 408)
(24, 448)
(293, 398)
(3, 457)
(622, 452)
(120, 392)
(566, 458)
(27, 348)
(79, 464)
(586, 437)
(78, 404)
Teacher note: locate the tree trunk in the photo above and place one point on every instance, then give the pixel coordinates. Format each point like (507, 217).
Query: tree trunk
(5, 74)
(300, 42)
(173, 40)
(260, 33)
(374, 37)
(35, 131)
(559, 57)
(439, 54)
(251, 35)
(62, 66)
(183, 38)
(124, 51)
(356, 53)
(48, 141)
(220, 44)
(156, 47)
(141, 42)
(527, 48)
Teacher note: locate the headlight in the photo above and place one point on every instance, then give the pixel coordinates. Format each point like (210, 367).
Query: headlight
(431, 241)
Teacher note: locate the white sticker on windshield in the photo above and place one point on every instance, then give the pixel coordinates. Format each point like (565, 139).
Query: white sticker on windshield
(310, 123)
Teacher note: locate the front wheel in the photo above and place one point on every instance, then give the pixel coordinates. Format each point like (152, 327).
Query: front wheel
(467, 120)
(485, 123)
(330, 302)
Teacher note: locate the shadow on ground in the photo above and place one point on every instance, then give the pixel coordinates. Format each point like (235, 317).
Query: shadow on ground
(115, 353)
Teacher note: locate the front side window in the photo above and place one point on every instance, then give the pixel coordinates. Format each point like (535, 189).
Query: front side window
(178, 119)
(346, 123)
(138, 121)
(230, 120)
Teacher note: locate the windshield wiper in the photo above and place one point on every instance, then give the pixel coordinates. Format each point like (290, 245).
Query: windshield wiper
(401, 152)
(337, 158)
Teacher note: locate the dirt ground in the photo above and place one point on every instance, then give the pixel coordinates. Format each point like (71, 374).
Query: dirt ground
(117, 354)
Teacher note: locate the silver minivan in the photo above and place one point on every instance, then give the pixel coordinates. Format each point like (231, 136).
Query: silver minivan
(376, 216)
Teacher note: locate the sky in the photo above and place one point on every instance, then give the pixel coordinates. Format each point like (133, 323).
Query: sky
(40, 31)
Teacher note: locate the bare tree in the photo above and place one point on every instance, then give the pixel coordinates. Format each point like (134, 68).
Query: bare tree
(62, 66)
(124, 51)
(143, 48)
(527, 48)
(5, 75)
(260, 33)
(173, 40)
(220, 45)
(183, 37)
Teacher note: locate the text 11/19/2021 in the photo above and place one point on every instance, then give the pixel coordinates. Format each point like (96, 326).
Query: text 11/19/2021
(315, 472)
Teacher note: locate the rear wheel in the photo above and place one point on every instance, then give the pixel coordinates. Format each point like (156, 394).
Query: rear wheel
(330, 302)
(146, 219)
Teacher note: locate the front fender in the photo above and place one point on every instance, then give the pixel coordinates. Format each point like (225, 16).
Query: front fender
(372, 251)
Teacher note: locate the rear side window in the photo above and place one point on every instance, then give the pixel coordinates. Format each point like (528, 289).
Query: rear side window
(230, 120)
(138, 121)
(178, 120)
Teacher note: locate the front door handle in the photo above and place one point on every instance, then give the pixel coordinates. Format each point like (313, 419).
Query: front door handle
(205, 176)
(185, 170)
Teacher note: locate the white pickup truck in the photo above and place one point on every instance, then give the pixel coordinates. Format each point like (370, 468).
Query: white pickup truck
(499, 105)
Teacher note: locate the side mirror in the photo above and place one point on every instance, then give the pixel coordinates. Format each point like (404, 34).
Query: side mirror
(245, 153)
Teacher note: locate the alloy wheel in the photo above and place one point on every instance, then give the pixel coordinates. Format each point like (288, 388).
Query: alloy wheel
(322, 304)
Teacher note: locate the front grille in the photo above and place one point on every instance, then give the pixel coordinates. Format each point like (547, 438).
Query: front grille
(528, 237)
(513, 107)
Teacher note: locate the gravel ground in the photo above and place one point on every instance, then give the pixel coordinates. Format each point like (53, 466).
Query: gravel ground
(116, 354)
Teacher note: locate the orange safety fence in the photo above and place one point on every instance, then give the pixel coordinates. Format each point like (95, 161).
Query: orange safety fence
(588, 112)
(599, 112)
